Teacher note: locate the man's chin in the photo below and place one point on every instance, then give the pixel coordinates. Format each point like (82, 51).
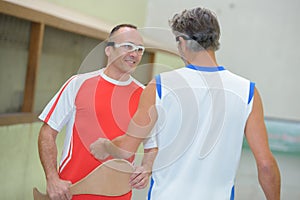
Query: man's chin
(131, 69)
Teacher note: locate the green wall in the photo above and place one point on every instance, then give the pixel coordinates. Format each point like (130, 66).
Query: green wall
(20, 168)
(110, 11)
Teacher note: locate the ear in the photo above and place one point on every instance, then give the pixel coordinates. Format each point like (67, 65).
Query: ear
(107, 51)
(182, 43)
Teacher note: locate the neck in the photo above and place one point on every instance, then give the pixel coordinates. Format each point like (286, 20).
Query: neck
(202, 58)
(116, 74)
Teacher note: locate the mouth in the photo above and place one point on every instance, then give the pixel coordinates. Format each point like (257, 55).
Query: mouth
(130, 62)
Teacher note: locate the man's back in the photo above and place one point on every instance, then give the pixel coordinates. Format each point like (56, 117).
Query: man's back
(202, 115)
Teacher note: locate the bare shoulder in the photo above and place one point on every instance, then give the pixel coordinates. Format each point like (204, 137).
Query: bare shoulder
(148, 95)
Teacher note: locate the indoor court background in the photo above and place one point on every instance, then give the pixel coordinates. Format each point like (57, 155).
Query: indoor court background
(259, 40)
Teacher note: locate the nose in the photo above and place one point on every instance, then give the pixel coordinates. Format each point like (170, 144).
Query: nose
(134, 53)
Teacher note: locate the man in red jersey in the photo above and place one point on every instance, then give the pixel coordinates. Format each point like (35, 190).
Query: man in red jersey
(92, 105)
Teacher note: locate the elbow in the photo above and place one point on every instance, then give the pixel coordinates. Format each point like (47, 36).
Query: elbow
(125, 155)
(267, 166)
(122, 154)
(121, 150)
(268, 170)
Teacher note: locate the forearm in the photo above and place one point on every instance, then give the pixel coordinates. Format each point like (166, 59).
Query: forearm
(120, 147)
(56, 188)
(138, 129)
(48, 152)
(269, 179)
(140, 178)
(148, 159)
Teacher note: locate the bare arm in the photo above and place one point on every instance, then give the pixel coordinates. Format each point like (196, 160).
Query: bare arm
(138, 129)
(142, 122)
(256, 134)
(148, 159)
(140, 178)
(56, 188)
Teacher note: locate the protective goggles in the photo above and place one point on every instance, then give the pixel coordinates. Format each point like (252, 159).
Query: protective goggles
(128, 47)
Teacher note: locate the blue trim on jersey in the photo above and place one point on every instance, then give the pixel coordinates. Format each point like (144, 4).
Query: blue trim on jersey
(158, 85)
(251, 91)
(150, 188)
(206, 69)
(232, 193)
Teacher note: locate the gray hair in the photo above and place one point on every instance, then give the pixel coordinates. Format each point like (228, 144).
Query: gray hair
(199, 26)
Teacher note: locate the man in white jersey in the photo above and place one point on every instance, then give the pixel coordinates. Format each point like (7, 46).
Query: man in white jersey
(199, 114)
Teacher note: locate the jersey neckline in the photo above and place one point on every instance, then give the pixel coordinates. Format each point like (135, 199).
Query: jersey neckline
(113, 81)
(205, 69)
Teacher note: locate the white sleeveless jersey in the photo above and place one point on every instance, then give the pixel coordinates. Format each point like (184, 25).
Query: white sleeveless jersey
(202, 112)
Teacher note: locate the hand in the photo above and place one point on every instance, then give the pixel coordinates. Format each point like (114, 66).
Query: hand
(58, 189)
(98, 149)
(140, 178)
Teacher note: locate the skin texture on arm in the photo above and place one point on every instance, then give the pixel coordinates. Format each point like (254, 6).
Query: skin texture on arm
(126, 145)
(142, 122)
(257, 138)
(138, 129)
(140, 177)
(56, 188)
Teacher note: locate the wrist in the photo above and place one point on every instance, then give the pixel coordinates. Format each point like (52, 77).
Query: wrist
(148, 168)
(52, 176)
